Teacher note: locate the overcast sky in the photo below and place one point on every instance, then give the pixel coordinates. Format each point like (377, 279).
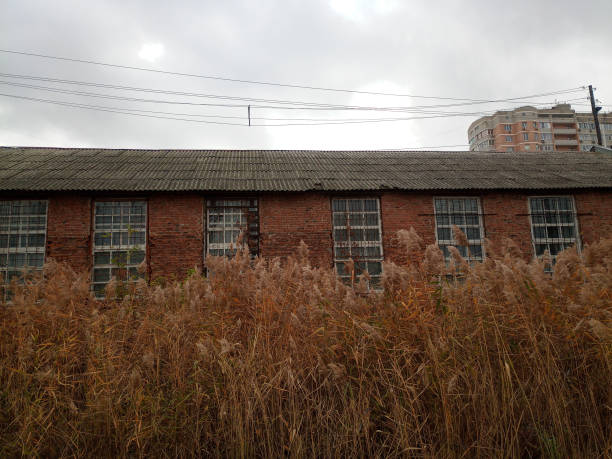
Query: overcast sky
(457, 49)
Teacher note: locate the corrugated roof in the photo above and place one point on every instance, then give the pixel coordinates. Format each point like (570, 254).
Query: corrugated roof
(88, 169)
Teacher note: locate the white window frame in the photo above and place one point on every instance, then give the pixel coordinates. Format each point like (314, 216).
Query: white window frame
(228, 210)
(22, 230)
(357, 244)
(116, 264)
(566, 242)
(448, 242)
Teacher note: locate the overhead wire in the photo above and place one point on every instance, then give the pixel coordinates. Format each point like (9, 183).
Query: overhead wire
(154, 114)
(517, 100)
(174, 102)
(237, 80)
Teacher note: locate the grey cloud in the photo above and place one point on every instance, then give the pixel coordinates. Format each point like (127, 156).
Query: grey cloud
(480, 49)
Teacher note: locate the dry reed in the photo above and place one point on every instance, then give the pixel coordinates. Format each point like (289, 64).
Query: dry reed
(273, 359)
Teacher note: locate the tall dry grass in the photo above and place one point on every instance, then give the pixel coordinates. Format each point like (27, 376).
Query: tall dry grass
(268, 360)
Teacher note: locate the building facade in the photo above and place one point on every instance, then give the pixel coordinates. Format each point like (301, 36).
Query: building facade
(113, 212)
(527, 128)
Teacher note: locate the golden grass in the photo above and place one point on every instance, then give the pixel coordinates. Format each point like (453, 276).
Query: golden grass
(276, 360)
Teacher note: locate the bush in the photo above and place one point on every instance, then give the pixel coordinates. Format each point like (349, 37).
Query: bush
(268, 359)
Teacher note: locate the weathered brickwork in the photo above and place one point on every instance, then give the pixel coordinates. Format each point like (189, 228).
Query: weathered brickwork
(286, 219)
(176, 237)
(594, 215)
(506, 216)
(402, 211)
(175, 234)
(69, 230)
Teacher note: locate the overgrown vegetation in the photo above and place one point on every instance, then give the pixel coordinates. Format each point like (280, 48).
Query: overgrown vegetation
(269, 359)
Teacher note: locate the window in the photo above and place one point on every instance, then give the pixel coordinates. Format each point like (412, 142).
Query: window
(508, 127)
(535, 136)
(525, 136)
(535, 124)
(23, 229)
(544, 125)
(464, 213)
(547, 147)
(553, 224)
(509, 150)
(508, 138)
(546, 136)
(357, 236)
(226, 220)
(524, 125)
(119, 241)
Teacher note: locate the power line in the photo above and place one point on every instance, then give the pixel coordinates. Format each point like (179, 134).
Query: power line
(173, 102)
(294, 102)
(235, 80)
(151, 114)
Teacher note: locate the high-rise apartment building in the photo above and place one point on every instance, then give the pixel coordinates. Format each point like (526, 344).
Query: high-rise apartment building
(528, 128)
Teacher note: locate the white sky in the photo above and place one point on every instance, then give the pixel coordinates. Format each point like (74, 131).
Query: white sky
(478, 50)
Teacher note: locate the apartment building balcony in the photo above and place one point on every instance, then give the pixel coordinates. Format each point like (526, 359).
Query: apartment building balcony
(563, 121)
(565, 130)
(563, 142)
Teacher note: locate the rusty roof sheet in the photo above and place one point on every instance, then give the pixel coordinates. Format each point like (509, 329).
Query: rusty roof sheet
(88, 169)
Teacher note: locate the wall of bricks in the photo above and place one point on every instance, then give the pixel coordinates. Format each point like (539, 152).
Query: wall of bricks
(69, 231)
(402, 211)
(286, 219)
(506, 217)
(176, 234)
(594, 215)
(176, 225)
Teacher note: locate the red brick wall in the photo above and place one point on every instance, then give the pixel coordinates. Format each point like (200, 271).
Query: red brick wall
(402, 211)
(594, 215)
(69, 230)
(176, 234)
(285, 219)
(176, 226)
(505, 217)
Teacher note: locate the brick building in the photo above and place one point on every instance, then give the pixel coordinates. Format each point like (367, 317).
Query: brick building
(527, 128)
(99, 209)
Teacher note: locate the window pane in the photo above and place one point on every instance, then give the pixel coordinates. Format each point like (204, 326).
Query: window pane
(472, 233)
(374, 268)
(443, 220)
(444, 234)
(356, 219)
(370, 205)
(339, 205)
(567, 231)
(101, 258)
(372, 235)
(371, 219)
(355, 205)
(339, 219)
(35, 260)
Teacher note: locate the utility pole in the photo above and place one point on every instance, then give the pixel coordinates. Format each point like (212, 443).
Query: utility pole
(595, 111)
